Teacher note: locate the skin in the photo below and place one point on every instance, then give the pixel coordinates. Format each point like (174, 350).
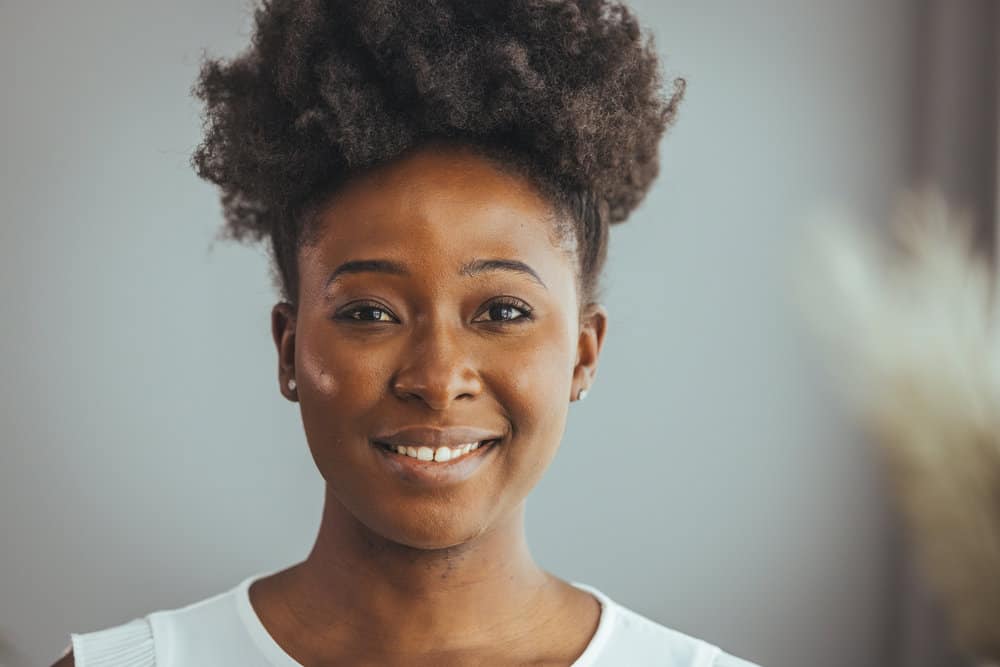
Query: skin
(401, 573)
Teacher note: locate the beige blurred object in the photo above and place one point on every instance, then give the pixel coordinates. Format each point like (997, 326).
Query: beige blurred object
(912, 329)
(953, 146)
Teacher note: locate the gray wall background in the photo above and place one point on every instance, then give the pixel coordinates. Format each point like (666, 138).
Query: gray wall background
(710, 480)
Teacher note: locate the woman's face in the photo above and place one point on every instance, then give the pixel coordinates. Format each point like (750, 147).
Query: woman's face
(436, 309)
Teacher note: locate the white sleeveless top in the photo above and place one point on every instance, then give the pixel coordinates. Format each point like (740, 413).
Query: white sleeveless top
(225, 631)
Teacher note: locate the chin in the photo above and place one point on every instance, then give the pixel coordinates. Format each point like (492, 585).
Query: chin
(430, 542)
(428, 533)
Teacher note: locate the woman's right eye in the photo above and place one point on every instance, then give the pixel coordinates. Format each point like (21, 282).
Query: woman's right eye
(366, 313)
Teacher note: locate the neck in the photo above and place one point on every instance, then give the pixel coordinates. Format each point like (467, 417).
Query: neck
(420, 598)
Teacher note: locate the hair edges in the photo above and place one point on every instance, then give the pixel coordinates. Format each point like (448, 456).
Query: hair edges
(591, 214)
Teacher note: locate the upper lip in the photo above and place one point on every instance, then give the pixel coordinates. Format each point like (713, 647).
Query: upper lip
(429, 436)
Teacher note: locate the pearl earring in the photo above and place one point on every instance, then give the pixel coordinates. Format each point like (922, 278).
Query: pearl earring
(582, 395)
(291, 384)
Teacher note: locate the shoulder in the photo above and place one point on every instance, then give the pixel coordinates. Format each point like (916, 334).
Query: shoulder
(627, 637)
(640, 638)
(726, 660)
(126, 644)
(139, 642)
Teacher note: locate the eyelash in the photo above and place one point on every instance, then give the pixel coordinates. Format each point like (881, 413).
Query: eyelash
(348, 313)
(511, 302)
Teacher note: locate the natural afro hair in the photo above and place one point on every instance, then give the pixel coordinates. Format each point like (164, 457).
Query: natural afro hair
(567, 92)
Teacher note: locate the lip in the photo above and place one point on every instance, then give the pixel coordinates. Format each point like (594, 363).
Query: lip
(429, 436)
(434, 473)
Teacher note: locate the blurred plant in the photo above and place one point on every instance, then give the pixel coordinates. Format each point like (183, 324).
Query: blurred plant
(912, 327)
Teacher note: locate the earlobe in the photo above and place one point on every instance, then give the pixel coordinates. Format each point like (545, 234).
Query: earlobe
(283, 333)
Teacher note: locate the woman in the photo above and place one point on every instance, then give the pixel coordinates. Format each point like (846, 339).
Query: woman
(436, 181)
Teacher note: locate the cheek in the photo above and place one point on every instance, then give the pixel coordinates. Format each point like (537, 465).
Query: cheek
(535, 389)
(536, 378)
(336, 386)
(337, 372)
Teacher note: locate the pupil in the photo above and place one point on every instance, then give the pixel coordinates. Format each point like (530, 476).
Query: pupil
(503, 312)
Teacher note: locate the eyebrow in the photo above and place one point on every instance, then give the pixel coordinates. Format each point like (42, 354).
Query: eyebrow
(475, 267)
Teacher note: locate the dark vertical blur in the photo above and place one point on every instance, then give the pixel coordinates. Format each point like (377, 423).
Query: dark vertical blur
(956, 106)
(956, 113)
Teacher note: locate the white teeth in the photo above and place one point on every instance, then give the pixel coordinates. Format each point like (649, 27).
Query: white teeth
(441, 454)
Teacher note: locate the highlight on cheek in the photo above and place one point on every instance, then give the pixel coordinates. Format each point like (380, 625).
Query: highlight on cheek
(319, 371)
(327, 383)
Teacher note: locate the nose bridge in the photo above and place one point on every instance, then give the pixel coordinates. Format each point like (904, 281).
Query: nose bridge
(440, 367)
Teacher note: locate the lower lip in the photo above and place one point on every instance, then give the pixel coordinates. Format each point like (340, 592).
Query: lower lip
(434, 473)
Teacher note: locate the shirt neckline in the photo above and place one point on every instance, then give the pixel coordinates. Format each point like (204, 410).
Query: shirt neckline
(278, 657)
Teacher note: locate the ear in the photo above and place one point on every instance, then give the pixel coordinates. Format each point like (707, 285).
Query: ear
(593, 326)
(283, 332)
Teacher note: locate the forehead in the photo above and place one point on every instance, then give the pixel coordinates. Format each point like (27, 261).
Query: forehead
(434, 208)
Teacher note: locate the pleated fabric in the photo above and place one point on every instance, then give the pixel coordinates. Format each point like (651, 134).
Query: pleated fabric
(126, 645)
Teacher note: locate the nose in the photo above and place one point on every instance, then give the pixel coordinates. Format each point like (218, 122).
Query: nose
(438, 369)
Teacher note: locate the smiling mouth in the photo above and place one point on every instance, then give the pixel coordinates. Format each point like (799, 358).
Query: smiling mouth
(439, 454)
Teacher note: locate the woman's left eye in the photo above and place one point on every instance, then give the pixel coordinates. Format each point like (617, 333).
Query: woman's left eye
(506, 310)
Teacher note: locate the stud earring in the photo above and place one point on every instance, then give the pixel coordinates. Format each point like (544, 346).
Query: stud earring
(582, 395)
(291, 384)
